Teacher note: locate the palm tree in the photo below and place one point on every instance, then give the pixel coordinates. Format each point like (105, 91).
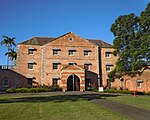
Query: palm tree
(12, 54)
(9, 42)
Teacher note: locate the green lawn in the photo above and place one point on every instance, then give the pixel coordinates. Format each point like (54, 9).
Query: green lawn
(141, 101)
(52, 107)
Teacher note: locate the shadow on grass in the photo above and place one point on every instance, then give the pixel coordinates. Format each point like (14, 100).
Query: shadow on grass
(57, 97)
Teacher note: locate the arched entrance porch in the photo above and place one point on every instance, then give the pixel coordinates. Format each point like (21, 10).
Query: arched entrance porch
(73, 79)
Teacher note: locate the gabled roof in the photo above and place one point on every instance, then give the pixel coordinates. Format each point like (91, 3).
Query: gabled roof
(38, 41)
(44, 40)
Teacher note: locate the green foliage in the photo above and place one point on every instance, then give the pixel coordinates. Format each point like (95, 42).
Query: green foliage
(9, 42)
(118, 91)
(12, 54)
(131, 43)
(55, 88)
(34, 90)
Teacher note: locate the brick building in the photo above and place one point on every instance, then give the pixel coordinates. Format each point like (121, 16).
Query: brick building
(67, 61)
(47, 61)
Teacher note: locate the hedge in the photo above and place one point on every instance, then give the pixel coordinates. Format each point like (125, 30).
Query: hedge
(34, 90)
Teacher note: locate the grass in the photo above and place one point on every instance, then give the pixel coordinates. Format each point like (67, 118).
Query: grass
(50, 106)
(141, 101)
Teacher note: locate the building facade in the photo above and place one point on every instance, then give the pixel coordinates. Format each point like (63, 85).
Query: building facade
(65, 60)
(70, 61)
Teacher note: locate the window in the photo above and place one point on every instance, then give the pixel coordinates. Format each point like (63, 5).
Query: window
(70, 39)
(108, 68)
(30, 66)
(107, 54)
(139, 83)
(55, 66)
(5, 82)
(55, 81)
(71, 63)
(86, 52)
(29, 81)
(87, 66)
(30, 51)
(71, 52)
(56, 51)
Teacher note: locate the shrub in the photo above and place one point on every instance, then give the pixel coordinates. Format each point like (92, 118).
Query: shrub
(10, 90)
(147, 93)
(55, 88)
(118, 91)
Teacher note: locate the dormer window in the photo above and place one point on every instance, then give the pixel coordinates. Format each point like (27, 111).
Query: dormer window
(71, 52)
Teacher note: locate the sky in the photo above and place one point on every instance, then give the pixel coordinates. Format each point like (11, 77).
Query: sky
(90, 19)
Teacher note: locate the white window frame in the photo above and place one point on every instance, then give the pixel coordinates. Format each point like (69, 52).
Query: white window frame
(30, 52)
(30, 66)
(55, 66)
(139, 83)
(86, 53)
(55, 52)
(108, 68)
(71, 52)
(107, 54)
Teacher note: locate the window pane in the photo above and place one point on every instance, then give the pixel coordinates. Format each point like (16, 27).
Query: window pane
(29, 81)
(30, 65)
(55, 52)
(55, 81)
(108, 68)
(86, 53)
(55, 66)
(30, 51)
(107, 54)
(86, 67)
(5, 82)
(71, 52)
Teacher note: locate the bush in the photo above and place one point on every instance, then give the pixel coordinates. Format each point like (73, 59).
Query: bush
(118, 91)
(10, 90)
(147, 93)
(34, 90)
(55, 88)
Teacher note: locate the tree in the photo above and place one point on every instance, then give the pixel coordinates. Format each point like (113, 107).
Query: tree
(9, 42)
(12, 54)
(131, 44)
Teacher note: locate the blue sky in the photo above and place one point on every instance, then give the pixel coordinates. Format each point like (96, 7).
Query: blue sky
(24, 19)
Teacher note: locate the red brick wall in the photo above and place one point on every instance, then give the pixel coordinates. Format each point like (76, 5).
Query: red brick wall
(104, 61)
(15, 80)
(130, 83)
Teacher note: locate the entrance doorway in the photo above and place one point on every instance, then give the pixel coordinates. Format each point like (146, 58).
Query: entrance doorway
(70, 83)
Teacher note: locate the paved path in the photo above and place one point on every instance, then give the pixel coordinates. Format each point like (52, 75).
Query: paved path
(133, 112)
